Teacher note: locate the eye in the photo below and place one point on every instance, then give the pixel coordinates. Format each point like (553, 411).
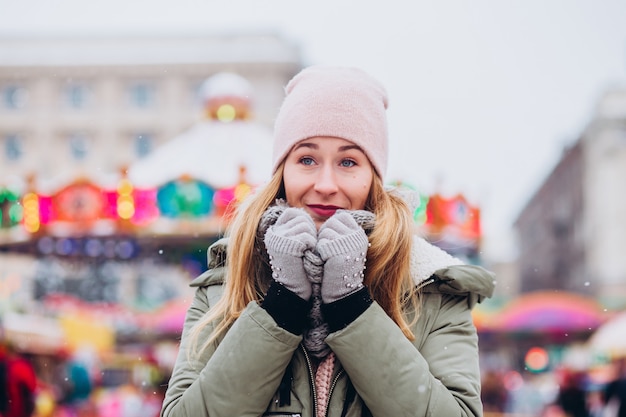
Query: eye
(306, 160)
(347, 163)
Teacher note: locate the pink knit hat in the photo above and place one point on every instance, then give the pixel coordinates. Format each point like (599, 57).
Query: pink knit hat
(340, 102)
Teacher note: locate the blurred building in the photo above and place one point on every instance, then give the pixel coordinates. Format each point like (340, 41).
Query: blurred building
(507, 278)
(95, 104)
(572, 232)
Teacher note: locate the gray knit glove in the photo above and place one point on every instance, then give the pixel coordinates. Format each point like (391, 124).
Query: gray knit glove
(285, 241)
(342, 245)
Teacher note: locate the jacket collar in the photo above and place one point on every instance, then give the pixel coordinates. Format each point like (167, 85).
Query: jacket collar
(216, 261)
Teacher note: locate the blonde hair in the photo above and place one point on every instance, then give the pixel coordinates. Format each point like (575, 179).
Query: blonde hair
(388, 277)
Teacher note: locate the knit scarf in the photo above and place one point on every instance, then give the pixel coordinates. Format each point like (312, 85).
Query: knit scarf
(315, 335)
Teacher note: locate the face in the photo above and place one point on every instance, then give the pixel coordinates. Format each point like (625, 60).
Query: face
(325, 174)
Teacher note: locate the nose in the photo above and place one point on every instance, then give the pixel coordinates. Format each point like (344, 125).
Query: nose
(326, 181)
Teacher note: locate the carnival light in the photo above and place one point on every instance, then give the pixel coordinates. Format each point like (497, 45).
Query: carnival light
(93, 248)
(536, 359)
(226, 113)
(125, 200)
(32, 222)
(242, 191)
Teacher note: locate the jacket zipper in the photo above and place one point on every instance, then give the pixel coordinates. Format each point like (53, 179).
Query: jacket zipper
(425, 283)
(311, 379)
(332, 388)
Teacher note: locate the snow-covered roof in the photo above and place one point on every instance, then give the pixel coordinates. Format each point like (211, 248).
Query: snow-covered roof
(226, 84)
(211, 151)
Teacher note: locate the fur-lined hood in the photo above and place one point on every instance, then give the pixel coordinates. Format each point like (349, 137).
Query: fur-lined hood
(435, 270)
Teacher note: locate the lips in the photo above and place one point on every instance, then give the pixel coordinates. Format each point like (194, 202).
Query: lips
(323, 211)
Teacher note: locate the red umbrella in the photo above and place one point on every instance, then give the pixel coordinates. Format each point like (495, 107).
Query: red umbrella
(550, 311)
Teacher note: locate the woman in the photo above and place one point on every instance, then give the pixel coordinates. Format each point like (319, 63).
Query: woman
(321, 302)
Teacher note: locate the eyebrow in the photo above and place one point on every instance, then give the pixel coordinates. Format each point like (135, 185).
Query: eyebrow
(316, 146)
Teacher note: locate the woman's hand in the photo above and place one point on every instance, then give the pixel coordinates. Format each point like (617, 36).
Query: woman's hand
(342, 245)
(286, 241)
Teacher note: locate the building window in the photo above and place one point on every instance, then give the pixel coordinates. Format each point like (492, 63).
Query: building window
(144, 144)
(77, 95)
(14, 97)
(79, 146)
(13, 147)
(142, 95)
(197, 93)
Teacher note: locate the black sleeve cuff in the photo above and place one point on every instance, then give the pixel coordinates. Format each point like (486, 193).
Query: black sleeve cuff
(288, 310)
(341, 313)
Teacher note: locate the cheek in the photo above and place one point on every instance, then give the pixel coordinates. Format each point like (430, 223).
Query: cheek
(361, 194)
(366, 193)
(367, 187)
(288, 190)
(288, 184)
(292, 192)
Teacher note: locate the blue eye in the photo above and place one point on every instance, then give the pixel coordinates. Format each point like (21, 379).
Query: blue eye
(347, 163)
(307, 161)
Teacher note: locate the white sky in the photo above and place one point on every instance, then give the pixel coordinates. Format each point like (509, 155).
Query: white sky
(484, 94)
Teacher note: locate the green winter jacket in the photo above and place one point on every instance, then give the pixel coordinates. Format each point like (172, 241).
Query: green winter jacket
(260, 369)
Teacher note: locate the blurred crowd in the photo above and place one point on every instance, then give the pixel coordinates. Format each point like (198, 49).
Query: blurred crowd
(562, 392)
(76, 385)
(71, 385)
